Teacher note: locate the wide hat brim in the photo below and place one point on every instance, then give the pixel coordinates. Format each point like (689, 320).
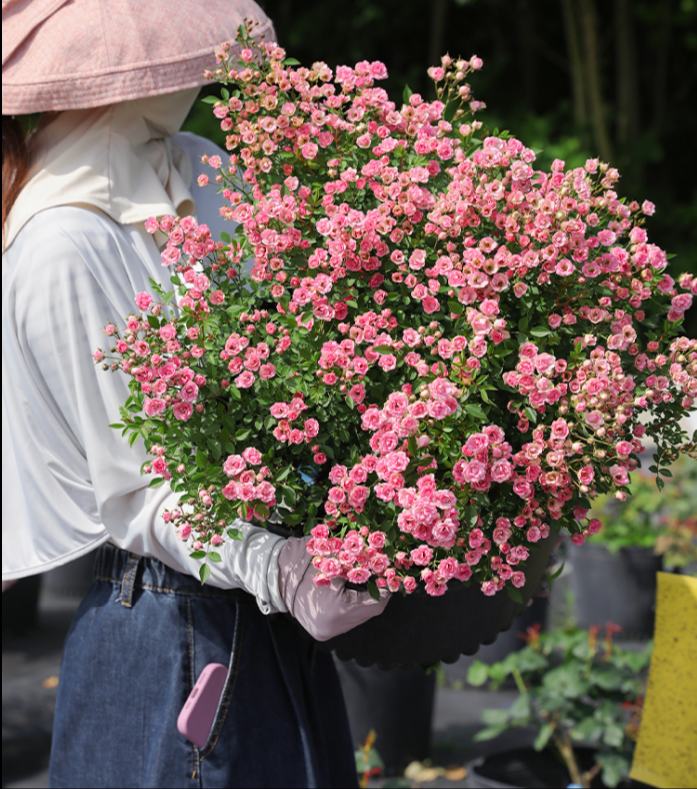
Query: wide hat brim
(75, 54)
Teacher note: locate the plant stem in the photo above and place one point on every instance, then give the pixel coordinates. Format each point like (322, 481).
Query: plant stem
(567, 752)
(517, 676)
(589, 775)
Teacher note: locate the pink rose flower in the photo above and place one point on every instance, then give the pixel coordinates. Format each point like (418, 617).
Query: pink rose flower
(244, 380)
(154, 406)
(189, 392)
(421, 555)
(183, 410)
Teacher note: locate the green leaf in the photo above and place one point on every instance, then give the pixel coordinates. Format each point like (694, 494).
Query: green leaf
(478, 673)
(373, 590)
(201, 460)
(496, 717)
(214, 556)
(588, 730)
(406, 94)
(283, 474)
(543, 737)
(116, 425)
(369, 760)
(615, 768)
(514, 594)
(234, 534)
(291, 62)
(234, 392)
(215, 447)
(614, 736)
(553, 576)
(489, 733)
(475, 410)
(204, 573)
(288, 494)
(472, 515)
(197, 555)
(158, 482)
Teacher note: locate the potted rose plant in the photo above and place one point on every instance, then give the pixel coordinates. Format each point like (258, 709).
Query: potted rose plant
(583, 696)
(614, 576)
(445, 335)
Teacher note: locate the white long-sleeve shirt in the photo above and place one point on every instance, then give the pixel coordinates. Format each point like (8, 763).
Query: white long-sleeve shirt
(70, 482)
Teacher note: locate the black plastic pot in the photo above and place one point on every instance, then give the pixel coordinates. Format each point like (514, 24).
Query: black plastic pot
(507, 642)
(525, 767)
(397, 704)
(618, 588)
(420, 630)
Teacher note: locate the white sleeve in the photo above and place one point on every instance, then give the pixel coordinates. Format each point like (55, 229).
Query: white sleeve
(81, 482)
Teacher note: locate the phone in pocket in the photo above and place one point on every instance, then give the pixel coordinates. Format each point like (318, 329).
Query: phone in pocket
(195, 721)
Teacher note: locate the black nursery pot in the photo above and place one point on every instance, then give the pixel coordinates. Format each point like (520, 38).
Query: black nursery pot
(420, 630)
(525, 768)
(397, 705)
(618, 588)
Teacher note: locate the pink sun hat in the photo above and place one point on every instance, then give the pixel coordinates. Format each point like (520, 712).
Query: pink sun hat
(76, 54)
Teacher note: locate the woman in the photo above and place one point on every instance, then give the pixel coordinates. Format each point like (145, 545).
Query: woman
(113, 86)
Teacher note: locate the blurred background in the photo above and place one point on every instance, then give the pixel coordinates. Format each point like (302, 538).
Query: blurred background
(573, 79)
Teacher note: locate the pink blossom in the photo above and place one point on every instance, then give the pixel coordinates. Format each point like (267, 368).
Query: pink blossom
(431, 304)
(182, 410)
(421, 555)
(359, 575)
(244, 380)
(189, 392)
(251, 456)
(409, 584)
(586, 475)
(619, 475)
(143, 301)
(518, 579)
(154, 406)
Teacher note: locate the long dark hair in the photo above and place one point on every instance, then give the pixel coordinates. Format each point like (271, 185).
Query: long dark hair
(15, 163)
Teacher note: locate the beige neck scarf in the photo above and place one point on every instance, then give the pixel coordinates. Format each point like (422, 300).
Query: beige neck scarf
(116, 159)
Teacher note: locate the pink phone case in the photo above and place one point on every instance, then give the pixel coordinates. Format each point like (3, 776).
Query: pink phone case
(196, 718)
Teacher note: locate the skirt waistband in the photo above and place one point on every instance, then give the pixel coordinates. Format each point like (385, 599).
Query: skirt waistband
(140, 572)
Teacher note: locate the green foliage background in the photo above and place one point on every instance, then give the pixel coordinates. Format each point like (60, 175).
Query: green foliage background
(643, 70)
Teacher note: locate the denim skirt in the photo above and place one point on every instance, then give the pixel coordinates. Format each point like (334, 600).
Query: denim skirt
(139, 641)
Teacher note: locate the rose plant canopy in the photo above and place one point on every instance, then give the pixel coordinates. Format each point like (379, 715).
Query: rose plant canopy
(440, 354)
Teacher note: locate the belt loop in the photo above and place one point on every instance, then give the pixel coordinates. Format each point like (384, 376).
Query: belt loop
(129, 580)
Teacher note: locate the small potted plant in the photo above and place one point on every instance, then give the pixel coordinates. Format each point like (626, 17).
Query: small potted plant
(614, 576)
(582, 693)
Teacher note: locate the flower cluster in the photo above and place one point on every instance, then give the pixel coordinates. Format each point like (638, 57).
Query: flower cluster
(454, 348)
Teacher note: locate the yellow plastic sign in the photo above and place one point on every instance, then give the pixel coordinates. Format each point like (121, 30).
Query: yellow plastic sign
(666, 751)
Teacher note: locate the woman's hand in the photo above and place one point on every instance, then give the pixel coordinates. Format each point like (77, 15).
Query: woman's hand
(324, 611)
